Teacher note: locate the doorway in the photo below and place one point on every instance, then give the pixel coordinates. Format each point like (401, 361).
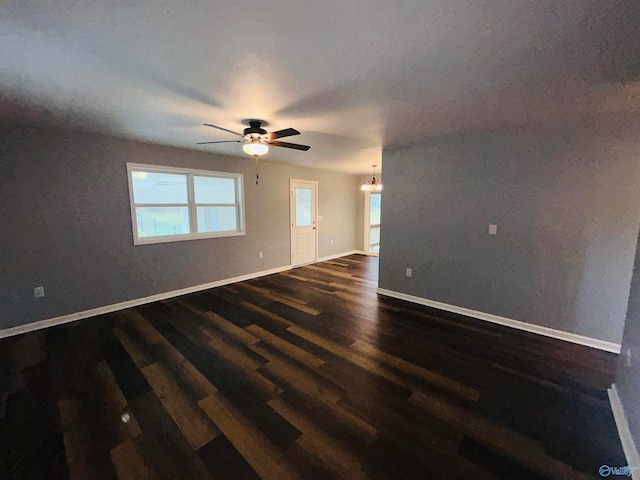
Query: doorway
(372, 202)
(304, 234)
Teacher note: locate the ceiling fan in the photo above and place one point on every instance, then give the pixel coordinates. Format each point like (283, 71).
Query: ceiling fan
(256, 140)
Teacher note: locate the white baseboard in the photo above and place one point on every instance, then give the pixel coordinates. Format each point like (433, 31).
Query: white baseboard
(72, 317)
(628, 445)
(509, 322)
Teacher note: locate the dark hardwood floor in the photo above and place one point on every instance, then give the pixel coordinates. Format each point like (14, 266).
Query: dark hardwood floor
(304, 374)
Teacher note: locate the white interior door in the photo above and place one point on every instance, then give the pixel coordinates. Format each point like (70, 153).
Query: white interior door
(304, 234)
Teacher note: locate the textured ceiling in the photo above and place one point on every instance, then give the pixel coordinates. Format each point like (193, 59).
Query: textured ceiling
(353, 76)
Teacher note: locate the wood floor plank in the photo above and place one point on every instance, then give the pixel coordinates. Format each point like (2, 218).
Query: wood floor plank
(232, 353)
(336, 459)
(527, 451)
(129, 464)
(266, 460)
(298, 305)
(341, 422)
(223, 460)
(189, 374)
(415, 370)
(162, 444)
(127, 375)
(163, 350)
(215, 369)
(77, 444)
(336, 273)
(226, 326)
(363, 362)
(136, 351)
(139, 322)
(194, 425)
(291, 378)
(284, 346)
(116, 402)
(275, 320)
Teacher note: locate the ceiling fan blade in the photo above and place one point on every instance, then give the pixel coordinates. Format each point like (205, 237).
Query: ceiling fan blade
(223, 129)
(287, 132)
(295, 146)
(221, 141)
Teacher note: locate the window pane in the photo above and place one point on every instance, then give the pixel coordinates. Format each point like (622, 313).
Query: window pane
(215, 190)
(162, 221)
(375, 209)
(303, 207)
(150, 187)
(217, 219)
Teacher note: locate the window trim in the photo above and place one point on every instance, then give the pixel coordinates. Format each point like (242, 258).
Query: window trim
(191, 205)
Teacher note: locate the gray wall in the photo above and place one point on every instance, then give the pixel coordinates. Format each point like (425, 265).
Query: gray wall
(66, 223)
(628, 380)
(566, 203)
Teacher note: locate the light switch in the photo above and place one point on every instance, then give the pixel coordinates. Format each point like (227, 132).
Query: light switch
(320, 218)
(493, 229)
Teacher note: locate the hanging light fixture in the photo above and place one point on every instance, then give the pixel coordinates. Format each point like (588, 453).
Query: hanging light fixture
(372, 185)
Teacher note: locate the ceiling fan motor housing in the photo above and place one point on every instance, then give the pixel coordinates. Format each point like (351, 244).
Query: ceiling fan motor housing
(254, 129)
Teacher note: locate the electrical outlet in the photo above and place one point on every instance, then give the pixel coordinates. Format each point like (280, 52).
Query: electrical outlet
(493, 229)
(331, 242)
(320, 218)
(38, 292)
(628, 358)
(260, 254)
(409, 272)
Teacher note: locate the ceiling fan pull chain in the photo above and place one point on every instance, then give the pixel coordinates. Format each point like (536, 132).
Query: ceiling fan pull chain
(257, 176)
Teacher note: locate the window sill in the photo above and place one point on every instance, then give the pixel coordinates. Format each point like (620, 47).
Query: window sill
(182, 238)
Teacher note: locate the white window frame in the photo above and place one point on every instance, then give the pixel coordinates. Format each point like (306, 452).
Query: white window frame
(193, 221)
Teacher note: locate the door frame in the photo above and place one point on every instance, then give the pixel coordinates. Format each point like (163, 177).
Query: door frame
(292, 219)
(367, 223)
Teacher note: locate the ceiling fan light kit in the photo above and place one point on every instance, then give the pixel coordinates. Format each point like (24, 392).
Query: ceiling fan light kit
(255, 148)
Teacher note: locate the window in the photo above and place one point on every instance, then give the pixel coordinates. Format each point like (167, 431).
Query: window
(304, 207)
(171, 204)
